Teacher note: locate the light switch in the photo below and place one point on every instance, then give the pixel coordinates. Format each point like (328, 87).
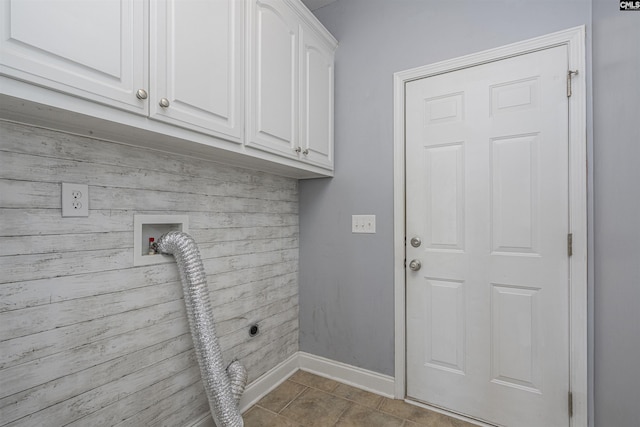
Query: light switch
(363, 223)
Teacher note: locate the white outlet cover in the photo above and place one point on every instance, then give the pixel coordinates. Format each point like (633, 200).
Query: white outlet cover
(75, 200)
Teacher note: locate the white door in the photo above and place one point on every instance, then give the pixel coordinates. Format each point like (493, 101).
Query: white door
(92, 49)
(197, 65)
(487, 194)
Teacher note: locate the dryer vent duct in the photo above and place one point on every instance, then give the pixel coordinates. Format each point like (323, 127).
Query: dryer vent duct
(223, 386)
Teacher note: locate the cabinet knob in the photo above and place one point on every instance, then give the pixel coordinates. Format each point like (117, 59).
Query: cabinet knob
(305, 152)
(164, 102)
(297, 149)
(141, 94)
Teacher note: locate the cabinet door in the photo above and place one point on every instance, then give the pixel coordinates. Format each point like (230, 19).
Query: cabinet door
(273, 98)
(197, 65)
(91, 49)
(316, 100)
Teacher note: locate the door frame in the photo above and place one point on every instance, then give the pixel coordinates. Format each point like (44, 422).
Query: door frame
(574, 39)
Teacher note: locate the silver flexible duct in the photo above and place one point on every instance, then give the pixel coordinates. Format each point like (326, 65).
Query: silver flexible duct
(223, 387)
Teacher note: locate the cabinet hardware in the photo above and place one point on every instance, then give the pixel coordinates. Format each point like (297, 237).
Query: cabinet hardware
(141, 94)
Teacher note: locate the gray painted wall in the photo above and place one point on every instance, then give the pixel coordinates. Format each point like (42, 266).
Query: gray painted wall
(346, 280)
(616, 108)
(88, 339)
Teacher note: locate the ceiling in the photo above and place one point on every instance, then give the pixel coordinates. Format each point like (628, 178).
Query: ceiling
(317, 4)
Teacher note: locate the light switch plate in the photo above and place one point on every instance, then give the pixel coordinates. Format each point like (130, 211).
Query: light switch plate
(363, 224)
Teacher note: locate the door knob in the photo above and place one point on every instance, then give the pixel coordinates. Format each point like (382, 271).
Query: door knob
(141, 94)
(164, 102)
(415, 265)
(416, 242)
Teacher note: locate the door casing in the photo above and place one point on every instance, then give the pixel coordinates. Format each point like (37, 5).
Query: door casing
(574, 39)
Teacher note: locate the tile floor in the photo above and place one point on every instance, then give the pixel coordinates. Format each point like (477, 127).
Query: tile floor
(308, 400)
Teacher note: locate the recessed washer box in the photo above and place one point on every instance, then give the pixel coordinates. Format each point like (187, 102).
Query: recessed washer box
(146, 226)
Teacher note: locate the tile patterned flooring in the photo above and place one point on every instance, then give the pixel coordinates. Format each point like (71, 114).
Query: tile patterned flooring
(308, 400)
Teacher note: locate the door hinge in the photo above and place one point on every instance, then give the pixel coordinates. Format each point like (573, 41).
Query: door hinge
(569, 244)
(570, 404)
(570, 75)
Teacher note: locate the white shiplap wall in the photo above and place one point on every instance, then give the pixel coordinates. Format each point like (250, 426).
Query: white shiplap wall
(86, 338)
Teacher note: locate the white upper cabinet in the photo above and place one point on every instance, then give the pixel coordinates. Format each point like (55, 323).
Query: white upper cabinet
(290, 83)
(316, 99)
(92, 49)
(273, 78)
(197, 70)
(247, 82)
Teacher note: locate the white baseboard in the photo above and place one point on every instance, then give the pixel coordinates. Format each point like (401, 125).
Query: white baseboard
(357, 377)
(348, 374)
(268, 381)
(259, 388)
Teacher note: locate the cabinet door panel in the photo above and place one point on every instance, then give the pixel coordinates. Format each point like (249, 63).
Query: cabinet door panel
(97, 52)
(197, 65)
(274, 81)
(317, 100)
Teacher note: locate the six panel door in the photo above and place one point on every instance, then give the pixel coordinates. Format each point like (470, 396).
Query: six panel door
(487, 193)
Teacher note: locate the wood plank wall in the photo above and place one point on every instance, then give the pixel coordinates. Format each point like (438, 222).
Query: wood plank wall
(86, 338)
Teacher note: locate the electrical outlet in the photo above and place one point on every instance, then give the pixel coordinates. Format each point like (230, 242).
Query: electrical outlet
(75, 200)
(363, 224)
